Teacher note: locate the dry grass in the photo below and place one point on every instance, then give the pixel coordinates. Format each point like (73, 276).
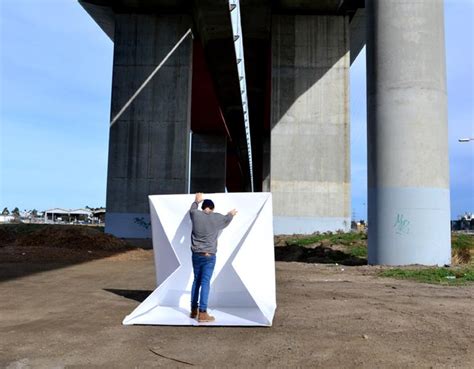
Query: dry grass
(462, 248)
(461, 256)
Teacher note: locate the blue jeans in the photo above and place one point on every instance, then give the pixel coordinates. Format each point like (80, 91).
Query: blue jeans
(203, 267)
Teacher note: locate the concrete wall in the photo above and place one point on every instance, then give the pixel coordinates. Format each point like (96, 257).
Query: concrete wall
(208, 163)
(149, 144)
(310, 146)
(408, 174)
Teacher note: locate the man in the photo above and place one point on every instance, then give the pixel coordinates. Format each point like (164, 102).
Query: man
(206, 227)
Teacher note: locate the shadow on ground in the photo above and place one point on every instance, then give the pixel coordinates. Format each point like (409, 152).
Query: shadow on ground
(319, 255)
(137, 295)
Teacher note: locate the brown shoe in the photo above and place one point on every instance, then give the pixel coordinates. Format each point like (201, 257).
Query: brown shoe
(205, 317)
(194, 313)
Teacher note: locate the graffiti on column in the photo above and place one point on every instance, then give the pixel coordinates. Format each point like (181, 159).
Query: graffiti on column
(142, 223)
(401, 225)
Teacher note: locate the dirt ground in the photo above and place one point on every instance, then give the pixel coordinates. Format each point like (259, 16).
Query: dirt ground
(65, 314)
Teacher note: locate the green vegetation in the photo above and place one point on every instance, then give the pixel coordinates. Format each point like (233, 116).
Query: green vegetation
(444, 276)
(338, 238)
(358, 251)
(462, 241)
(344, 248)
(355, 243)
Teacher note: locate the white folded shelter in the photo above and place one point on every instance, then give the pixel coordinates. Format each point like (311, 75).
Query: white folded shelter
(243, 283)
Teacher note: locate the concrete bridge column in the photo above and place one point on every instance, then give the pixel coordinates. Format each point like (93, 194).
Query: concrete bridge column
(208, 163)
(309, 143)
(408, 174)
(149, 144)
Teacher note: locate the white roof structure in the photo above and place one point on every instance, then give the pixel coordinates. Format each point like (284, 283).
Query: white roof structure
(81, 212)
(6, 218)
(56, 211)
(68, 211)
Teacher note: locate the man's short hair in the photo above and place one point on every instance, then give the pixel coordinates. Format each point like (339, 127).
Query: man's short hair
(207, 204)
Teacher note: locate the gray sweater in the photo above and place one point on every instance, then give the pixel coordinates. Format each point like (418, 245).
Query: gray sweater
(206, 229)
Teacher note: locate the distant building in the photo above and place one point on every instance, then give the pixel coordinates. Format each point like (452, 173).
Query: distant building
(359, 226)
(58, 215)
(98, 215)
(464, 223)
(6, 218)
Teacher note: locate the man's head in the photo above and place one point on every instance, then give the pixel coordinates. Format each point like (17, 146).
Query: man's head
(207, 204)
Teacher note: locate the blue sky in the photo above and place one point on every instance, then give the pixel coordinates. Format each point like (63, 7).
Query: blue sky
(55, 80)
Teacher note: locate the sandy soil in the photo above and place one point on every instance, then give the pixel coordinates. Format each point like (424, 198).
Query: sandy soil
(61, 314)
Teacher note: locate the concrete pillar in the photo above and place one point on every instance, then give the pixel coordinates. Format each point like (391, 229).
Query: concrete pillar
(309, 149)
(408, 174)
(208, 163)
(149, 144)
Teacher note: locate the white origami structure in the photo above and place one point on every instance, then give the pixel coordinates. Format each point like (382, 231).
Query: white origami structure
(243, 284)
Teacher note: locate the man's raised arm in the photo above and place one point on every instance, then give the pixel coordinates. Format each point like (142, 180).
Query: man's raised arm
(197, 200)
(226, 219)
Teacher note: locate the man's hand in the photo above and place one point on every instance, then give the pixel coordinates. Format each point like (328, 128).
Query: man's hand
(232, 212)
(198, 197)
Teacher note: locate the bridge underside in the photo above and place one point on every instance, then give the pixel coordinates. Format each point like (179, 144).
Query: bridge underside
(297, 55)
(199, 90)
(300, 145)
